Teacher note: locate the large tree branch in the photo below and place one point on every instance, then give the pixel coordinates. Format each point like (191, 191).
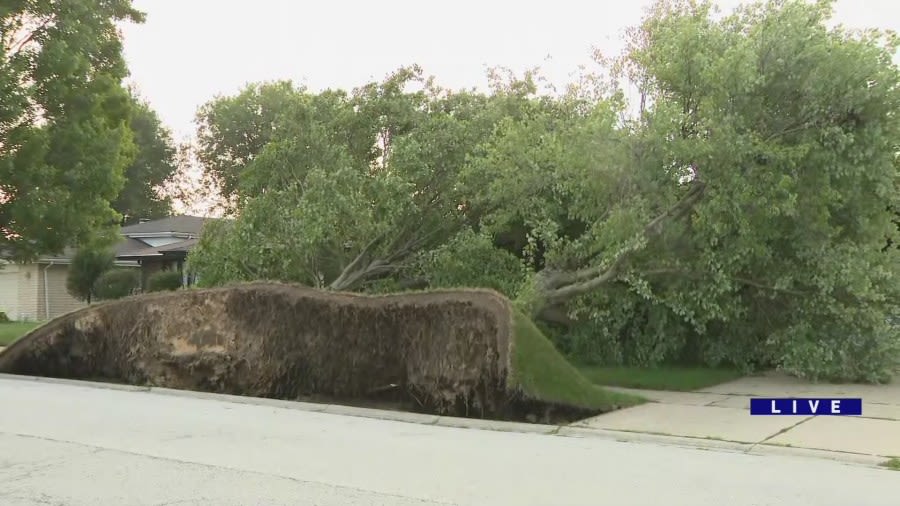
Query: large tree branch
(575, 289)
(564, 285)
(736, 279)
(362, 259)
(676, 212)
(29, 36)
(551, 311)
(409, 240)
(769, 288)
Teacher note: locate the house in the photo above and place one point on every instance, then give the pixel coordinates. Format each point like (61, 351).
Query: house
(160, 245)
(37, 291)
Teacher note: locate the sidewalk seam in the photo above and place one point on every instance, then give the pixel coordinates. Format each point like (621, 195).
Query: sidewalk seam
(780, 432)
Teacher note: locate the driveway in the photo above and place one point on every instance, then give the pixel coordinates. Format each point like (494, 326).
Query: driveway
(80, 445)
(723, 413)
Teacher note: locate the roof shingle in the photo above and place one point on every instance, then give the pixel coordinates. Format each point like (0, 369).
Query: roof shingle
(177, 224)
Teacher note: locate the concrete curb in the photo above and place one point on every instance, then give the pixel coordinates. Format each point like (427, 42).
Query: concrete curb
(573, 431)
(77, 383)
(361, 412)
(664, 439)
(237, 399)
(838, 456)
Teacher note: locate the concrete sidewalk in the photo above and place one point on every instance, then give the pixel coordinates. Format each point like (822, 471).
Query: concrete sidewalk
(722, 413)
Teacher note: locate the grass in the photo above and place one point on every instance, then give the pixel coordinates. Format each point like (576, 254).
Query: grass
(892, 464)
(11, 331)
(541, 372)
(680, 379)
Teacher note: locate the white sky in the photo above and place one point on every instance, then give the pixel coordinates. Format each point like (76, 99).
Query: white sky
(189, 51)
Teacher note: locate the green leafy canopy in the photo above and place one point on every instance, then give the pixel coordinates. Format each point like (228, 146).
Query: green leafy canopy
(740, 215)
(64, 134)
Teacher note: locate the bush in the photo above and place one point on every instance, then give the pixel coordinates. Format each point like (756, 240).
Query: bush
(87, 266)
(4, 318)
(162, 281)
(117, 283)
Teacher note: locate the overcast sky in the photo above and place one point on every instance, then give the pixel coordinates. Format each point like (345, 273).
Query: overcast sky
(189, 51)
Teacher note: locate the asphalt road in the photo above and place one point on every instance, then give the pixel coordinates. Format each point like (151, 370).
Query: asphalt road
(81, 446)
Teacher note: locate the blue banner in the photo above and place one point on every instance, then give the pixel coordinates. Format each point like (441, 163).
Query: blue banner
(815, 406)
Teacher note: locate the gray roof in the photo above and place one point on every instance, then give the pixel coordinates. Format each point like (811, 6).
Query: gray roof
(124, 245)
(127, 245)
(178, 247)
(176, 224)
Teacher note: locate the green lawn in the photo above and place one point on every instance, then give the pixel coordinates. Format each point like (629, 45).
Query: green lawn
(9, 332)
(543, 373)
(664, 378)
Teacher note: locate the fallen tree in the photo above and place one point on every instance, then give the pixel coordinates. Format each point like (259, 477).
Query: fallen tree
(734, 220)
(449, 352)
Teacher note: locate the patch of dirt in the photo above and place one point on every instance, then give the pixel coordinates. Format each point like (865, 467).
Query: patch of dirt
(438, 352)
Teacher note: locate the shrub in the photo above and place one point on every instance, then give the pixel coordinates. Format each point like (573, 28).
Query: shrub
(87, 266)
(162, 281)
(4, 318)
(117, 283)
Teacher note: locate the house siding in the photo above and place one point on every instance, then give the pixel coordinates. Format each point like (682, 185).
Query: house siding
(9, 290)
(59, 299)
(28, 292)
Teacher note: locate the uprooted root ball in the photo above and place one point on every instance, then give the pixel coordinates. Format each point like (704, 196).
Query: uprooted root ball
(444, 352)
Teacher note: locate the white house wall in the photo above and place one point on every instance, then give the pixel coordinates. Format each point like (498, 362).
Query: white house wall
(9, 290)
(58, 295)
(28, 292)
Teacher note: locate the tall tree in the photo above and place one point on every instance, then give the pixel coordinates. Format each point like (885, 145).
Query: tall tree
(64, 135)
(154, 164)
(233, 130)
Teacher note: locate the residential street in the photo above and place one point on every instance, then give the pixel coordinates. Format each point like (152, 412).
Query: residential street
(84, 446)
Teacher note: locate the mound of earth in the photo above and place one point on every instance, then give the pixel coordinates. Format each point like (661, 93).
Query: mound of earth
(463, 352)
